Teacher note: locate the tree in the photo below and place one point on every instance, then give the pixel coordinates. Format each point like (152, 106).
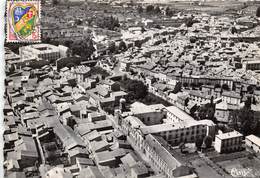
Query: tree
(140, 9)
(217, 85)
(157, 26)
(78, 22)
(110, 23)
(137, 89)
(97, 79)
(207, 111)
(68, 43)
(153, 80)
(207, 141)
(225, 87)
(164, 40)
(138, 43)
(149, 9)
(51, 156)
(54, 42)
(248, 103)
(258, 12)
(193, 85)
(55, 2)
(46, 40)
(109, 110)
(143, 29)
(84, 48)
(168, 11)
(124, 77)
(177, 88)
(254, 102)
(122, 46)
(233, 30)
(198, 142)
(185, 84)
(244, 120)
(182, 146)
(131, 3)
(157, 10)
(250, 89)
(193, 39)
(71, 123)
(189, 22)
(112, 47)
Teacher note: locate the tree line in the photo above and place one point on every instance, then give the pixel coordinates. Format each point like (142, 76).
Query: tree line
(151, 9)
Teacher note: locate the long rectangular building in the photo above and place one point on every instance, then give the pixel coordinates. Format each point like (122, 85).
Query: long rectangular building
(148, 139)
(253, 142)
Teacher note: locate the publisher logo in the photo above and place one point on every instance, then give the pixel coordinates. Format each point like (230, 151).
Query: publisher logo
(244, 173)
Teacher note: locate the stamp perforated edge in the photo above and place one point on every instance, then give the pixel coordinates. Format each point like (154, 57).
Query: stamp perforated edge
(7, 23)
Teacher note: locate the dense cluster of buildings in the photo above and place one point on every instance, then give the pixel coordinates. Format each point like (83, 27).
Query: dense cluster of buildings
(206, 60)
(65, 118)
(36, 55)
(52, 126)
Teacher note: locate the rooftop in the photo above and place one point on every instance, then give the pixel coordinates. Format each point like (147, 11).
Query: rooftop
(42, 48)
(179, 113)
(229, 135)
(174, 126)
(254, 139)
(139, 108)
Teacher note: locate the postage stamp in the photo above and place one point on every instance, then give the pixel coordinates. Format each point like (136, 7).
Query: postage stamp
(23, 21)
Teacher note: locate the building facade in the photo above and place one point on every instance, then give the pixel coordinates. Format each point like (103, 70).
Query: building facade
(228, 142)
(251, 65)
(153, 147)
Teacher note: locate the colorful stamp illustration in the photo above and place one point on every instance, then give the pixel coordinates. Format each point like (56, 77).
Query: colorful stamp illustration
(23, 21)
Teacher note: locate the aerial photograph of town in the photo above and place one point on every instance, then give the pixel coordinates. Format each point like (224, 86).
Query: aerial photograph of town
(135, 89)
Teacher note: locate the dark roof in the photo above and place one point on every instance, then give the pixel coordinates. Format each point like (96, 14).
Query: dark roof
(68, 136)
